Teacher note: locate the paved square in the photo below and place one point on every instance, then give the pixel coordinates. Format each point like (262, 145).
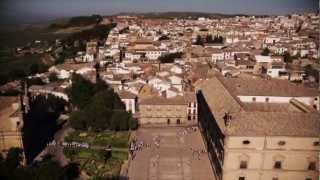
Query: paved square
(179, 156)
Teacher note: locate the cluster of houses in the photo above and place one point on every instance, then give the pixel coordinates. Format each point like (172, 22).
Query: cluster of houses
(129, 59)
(240, 91)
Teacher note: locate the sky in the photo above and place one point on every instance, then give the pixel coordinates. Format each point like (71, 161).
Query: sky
(37, 10)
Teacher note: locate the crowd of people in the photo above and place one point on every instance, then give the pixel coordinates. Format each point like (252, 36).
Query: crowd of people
(138, 145)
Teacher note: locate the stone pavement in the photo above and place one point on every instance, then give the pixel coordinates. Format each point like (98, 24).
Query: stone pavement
(177, 157)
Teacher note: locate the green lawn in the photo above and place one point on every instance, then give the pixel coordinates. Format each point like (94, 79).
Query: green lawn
(115, 139)
(92, 160)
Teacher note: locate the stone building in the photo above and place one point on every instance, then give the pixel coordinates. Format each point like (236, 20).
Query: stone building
(273, 139)
(162, 111)
(11, 123)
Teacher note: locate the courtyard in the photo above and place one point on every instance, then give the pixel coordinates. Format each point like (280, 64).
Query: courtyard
(170, 154)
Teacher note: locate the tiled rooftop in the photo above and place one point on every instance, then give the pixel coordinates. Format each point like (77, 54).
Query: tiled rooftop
(257, 120)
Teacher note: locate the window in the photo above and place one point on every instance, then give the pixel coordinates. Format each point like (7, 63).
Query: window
(312, 166)
(277, 165)
(242, 178)
(243, 165)
(246, 142)
(168, 121)
(254, 99)
(267, 99)
(281, 143)
(178, 121)
(308, 178)
(275, 178)
(316, 143)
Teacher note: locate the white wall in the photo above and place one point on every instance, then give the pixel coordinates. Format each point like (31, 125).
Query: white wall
(130, 105)
(276, 99)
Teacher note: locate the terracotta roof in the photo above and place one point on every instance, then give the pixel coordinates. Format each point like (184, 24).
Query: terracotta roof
(275, 124)
(255, 86)
(190, 96)
(127, 95)
(270, 107)
(252, 120)
(158, 100)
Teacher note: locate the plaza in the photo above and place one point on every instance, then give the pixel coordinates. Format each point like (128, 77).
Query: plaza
(170, 154)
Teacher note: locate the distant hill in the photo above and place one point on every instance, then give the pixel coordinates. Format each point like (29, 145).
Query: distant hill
(192, 15)
(76, 22)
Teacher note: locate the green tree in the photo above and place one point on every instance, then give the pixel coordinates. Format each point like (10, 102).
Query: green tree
(265, 52)
(199, 41)
(14, 158)
(79, 120)
(169, 58)
(34, 68)
(72, 171)
(48, 169)
(209, 38)
(287, 57)
(133, 124)
(53, 77)
(99, 107)
(310, 71)
(120, 120)
(81, 91)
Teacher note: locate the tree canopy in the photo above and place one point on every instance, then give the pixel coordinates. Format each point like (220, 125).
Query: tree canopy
(20, 67)
(209, 39)
(99, 107)
(265, 52)
(81, 91)
(97, 32)
(199, 41)
(310, 71)
(77, 21)
(169, 58)
(11, 168)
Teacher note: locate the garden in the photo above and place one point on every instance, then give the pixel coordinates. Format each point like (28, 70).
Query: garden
(97, 160)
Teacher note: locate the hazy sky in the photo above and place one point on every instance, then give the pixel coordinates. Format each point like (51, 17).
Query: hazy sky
(33, 10)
